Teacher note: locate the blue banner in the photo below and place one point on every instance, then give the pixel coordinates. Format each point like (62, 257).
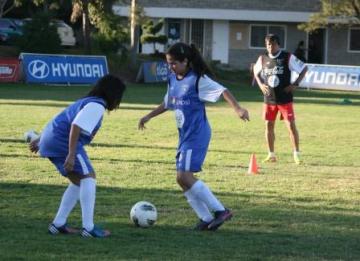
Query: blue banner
(155, 71)
(332, 77)
(63, 69)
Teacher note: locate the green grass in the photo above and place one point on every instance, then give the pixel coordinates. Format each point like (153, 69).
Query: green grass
(289, 212)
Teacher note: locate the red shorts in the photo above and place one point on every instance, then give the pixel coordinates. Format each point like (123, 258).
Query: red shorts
(286, 111)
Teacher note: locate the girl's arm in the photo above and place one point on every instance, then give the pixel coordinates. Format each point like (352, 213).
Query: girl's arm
(73, 140)
(160, 109)
(241, 112)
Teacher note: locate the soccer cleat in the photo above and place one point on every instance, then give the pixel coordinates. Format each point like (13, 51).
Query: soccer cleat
(202, 225)
(95, 232)
(269, 158)
(297, 160)
(64, 229)
(220, 218)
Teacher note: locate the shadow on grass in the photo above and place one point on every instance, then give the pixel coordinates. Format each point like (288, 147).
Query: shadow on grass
(154, 93)
(255, 233)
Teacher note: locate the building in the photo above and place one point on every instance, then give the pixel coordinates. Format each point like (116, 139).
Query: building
(233, 31)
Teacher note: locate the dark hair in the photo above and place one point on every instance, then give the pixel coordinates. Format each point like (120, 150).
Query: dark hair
(180, 51)
(273, 38)
(111, 89)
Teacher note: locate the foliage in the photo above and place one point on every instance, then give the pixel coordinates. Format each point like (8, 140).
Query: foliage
(288, 212)
(334, 13)
(40, 35)
(150, 33)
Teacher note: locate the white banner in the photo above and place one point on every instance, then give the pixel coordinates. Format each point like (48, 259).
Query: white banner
(334, 77)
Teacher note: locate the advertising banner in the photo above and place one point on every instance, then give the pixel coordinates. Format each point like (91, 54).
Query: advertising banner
(155, 71)
(335, 77)
(9, 69)
(63, 69)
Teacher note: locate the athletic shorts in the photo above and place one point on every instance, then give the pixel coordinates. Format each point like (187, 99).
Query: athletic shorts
(82, 164)
(286, 111)
(190, 159)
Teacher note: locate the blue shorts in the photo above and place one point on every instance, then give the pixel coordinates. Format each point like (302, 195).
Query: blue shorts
(82, 164)
(190, 160)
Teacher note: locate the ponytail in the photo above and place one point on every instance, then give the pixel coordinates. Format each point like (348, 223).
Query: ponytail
(180, 51)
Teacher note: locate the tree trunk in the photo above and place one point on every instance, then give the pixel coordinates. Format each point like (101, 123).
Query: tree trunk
(134, 34)
(86, 26)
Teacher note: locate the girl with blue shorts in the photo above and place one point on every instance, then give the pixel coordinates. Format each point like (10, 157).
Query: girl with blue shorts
(62, 141)
(189, 87)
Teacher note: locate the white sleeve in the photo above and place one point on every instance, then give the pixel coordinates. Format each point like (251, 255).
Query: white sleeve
(295, 64)
(89, 116)
(209, 90)
(258, 66)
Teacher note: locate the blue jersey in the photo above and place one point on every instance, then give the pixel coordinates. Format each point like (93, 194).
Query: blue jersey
(183, 98)
(54, 140)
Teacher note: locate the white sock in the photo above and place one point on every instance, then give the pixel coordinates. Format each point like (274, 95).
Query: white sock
(202, 192)
(87, 201)
(68, 202)
(271, 154)
(296, 153)
(200, 208)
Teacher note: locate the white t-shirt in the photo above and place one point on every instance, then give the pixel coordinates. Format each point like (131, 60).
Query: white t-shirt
(88, 117)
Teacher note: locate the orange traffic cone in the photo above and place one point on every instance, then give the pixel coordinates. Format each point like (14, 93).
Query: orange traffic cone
(253, 168)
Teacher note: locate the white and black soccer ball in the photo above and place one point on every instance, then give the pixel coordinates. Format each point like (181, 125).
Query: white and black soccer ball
(30, 136)
(143, 214)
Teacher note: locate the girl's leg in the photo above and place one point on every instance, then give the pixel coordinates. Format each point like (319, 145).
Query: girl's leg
(87, 200)
(200, 208)
(68, 202)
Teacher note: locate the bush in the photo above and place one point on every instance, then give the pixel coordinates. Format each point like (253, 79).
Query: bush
(39, 36)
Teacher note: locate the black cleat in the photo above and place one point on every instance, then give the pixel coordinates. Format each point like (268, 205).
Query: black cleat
(64, 229)
(202, 225)
(220, 218)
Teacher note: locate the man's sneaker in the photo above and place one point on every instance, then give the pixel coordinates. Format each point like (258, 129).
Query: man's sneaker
(297, 160)
(202, 225)
(269, 158)
(64, 229)
(95, 232)
(220, 218)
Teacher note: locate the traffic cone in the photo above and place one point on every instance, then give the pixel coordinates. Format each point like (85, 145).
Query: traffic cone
(253, 167)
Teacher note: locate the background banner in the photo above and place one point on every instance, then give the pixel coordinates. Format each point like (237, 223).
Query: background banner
(335, 77)
(63, 69)
(155, 71)
(9, 69)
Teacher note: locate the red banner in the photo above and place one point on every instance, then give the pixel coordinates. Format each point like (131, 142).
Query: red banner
(9, 69)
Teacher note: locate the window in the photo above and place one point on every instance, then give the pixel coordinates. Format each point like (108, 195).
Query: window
(173, 31)
(354, 39)
(197, 33)
(258, 33)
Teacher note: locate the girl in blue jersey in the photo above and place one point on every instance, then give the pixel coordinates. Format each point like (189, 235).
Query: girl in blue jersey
(62, 142)
(189, 87)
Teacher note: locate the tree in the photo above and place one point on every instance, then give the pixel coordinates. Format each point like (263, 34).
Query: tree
(137, 17)
(334, 13)
(150, 33)
(6, 6)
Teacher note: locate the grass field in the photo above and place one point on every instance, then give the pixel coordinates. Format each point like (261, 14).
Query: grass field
(289, 212)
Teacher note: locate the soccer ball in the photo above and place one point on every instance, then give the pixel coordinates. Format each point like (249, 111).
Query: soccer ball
(143, 214)
(30, 136)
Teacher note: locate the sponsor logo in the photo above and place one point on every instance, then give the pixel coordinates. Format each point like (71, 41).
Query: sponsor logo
(7, 70)
(332, 78)
(38, 69)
